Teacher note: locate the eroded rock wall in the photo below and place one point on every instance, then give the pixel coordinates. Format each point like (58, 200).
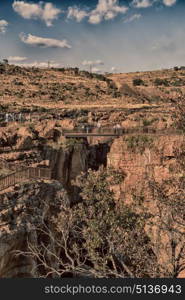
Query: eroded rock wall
(151, 161)
(23, 210)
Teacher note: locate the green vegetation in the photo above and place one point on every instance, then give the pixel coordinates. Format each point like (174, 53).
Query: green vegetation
(159, 82)
(138, 198)
(98, 238)
(147, 122)
(115, 176)
(48, 87)
(175, 81)
(139, 143)
(138, 81)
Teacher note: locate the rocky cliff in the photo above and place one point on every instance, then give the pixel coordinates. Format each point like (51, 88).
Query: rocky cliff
(23, 210)
(152, 159)
(143, 158)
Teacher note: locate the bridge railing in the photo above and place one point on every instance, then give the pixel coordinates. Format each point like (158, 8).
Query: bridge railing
(86, 130)
(121, 130)
(22, 175)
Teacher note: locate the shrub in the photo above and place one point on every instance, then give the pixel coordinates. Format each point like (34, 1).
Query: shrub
(138, 81)
(159, 82)
(139, 143)
(149, 122)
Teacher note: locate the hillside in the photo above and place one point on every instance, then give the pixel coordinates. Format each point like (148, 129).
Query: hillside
(70, 86)
(60, 87)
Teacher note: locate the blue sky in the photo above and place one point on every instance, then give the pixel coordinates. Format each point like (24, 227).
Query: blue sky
(105, 35)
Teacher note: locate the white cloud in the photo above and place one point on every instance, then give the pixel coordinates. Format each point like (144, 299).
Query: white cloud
(106, 10)
(92, 63)
(96, 70)
(113, 69)
(43, 42)
(132, 18)
(142, 3)
(46, 12)
(169, 2)
(16, 58)
(95, 19)
(3, 26)
(39, 64)
(76, 13)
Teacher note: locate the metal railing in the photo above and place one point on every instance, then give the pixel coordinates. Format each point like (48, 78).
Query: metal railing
(22, 175)
(120, 131)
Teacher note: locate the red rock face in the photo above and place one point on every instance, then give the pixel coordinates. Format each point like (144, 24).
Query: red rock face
(18, 225)
(140, 164)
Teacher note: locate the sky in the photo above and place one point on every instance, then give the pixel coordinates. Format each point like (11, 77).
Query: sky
(98, 35)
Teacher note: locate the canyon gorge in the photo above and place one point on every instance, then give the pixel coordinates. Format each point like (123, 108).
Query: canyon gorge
(148, 158)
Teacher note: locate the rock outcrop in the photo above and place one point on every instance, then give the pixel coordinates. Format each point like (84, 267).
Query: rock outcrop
(23, 210)
(143, 160)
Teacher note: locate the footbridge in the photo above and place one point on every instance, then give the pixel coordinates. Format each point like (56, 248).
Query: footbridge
(23, 175)
(117, 132)
(89, 134)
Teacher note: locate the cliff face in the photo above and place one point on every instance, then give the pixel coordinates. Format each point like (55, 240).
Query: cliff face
(66, 164)
(69, 161)
(142, 158)
(22, 211)
(25, 208)
(145, 160)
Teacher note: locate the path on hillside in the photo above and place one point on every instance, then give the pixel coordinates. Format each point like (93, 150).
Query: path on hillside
(98, 105)
(87, 105)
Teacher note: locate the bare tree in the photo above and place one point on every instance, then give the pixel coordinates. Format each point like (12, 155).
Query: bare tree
(95, 237)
